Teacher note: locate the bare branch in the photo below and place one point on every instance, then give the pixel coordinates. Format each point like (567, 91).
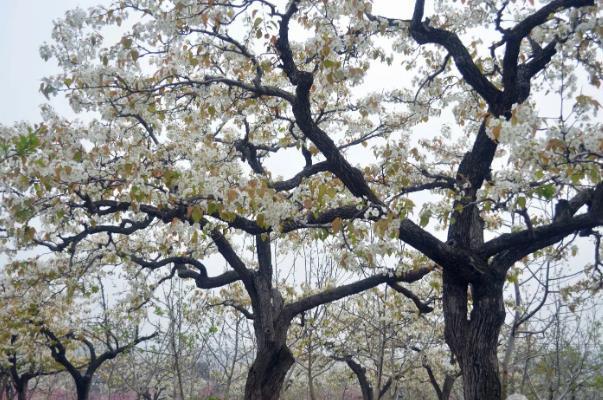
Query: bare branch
(423, 307)
(329, 295)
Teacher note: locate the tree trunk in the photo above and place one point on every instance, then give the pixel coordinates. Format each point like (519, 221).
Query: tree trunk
(21, 391)
(474, 340)
(447, 387)
(360, 372)
(82, 386)
(267, 373)
(443, 392)
(506, 364)
(20, 383)
(311, 390)
(234, 361)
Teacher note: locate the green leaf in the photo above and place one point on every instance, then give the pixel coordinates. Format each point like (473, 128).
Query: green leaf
(330, 64)
(322, 234)
(136, 193)
(78, 155)
(577, 176)
(23, 214)
(227, 216)
(26, 144)
(196, 214)
(213, 208)
(547, 191)
(594, 175)
(261, 220)
(521, 202)
(425, 216)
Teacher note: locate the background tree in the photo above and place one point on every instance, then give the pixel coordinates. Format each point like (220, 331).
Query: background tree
(379, 335)
(51, 321)
(143, 371)
(26, 302)
(196, 102)
(229, 351)
(82, 377)
(552, 342)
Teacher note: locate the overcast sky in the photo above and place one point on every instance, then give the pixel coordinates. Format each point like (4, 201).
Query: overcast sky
(24, 26)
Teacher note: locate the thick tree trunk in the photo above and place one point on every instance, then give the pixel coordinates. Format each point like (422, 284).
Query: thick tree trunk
(473, 337)
(273, 358)
(82, 387)
(20, 384)
(480, 373)
(21, 392)
(267, 373)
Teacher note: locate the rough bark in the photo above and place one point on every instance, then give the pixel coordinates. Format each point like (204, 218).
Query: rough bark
(473, 337)
(466, 260)
(267, 373)
(447, 387)
(273, 358)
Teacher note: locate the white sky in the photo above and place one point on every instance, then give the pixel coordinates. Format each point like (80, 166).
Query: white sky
(24, 26)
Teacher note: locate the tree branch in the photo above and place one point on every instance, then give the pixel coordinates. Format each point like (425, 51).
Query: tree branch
(440, 252)
(236, 306)
(351, 177)
(297, 179)
(329, 295)
(201, 279)
(111, 354)
(423, 307)
(516, 79)
(360, 372)
(511, 247)
(231, 256)
(423, 33)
